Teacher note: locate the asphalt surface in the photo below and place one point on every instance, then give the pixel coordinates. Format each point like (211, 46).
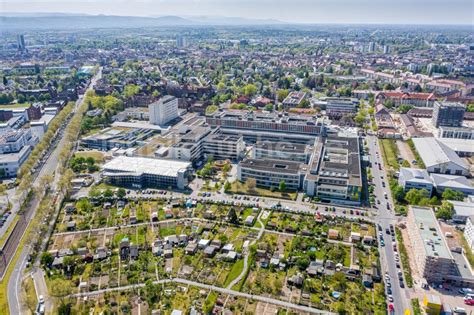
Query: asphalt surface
(386, 217)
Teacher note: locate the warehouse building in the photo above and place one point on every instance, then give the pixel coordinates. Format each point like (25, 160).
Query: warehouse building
(439, 158)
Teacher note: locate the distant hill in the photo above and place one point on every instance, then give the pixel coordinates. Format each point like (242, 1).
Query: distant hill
(16, 21)
(59, 21)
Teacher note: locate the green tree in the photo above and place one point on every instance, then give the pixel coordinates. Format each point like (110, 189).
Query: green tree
(108, 193)
(227, 186)
(398, 193)
(250, 90)
(450, 194)
(121, 193)
(282, 186)
(46, 259)
(446, 211)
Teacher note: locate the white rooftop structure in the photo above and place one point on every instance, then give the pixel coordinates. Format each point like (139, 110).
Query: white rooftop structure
(461, 146)
(415, 175)
(458, 183)
(439, 158)
(141, 165)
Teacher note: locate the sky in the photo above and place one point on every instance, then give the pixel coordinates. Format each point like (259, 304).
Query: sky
(298, 11)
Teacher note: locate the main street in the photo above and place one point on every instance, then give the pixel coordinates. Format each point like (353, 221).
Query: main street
(385, 218)
(48, 167)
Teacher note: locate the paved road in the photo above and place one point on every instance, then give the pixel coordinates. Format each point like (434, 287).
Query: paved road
(47, 168)
(214, 288)
(385, 218)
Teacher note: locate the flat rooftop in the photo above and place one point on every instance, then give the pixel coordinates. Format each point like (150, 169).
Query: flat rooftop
(281, 146)
(141, 165)
(275, 166)
(433, 240)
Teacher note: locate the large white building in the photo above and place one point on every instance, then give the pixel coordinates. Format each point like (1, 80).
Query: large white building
(163, 111)
(439, 158)
(11, 162)
(413, 178)
(147, 172)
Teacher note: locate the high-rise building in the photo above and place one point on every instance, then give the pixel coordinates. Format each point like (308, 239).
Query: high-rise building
(181, 41)
(20, 41)
(450, 114)
(163, 111)
(386, 49)
(371, 47)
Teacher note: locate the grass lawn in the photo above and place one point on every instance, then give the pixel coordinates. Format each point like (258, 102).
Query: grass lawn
(240, 188)
(29, 293)
(404, 259)
(415, 304)
(9, 230)
(390, 153)
(234, 272)
(96, 155)
(467, 249)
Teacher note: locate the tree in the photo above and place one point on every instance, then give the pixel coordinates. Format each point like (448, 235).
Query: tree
(121, 193)
(282, 186)
(108, 193)
(60, 289)
(250, 90)
(398, 193)
(227, 186)
(450, 194)
(46, 259)
(302, 263)
(251, 183)
(282, 94)
(446, 211)
(415, 196)
(232, 216)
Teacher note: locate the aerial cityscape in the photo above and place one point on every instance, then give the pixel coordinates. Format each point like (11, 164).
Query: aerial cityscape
(155, 159)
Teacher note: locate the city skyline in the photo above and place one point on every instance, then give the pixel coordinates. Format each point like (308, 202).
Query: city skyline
(299, 11)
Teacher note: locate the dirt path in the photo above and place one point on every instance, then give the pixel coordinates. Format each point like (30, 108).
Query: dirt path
(405, 152)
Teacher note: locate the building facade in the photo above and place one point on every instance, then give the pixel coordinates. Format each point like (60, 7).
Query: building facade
(450, 114)
(163, 111)
(431, 253)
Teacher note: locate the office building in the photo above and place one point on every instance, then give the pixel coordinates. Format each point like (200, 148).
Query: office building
(371, 47)
(439, 158)
(122, 138)
(141, 172)
(199, 143)
(282, 151)
(164, 110)
(466, 133)
(181, 42)
(462, 210)
(432, 256)
(454, 182)
(450, 114)
(11, 162)
(290, 124)
(334, 172)
(20, 42)
(270, 173)
(14, 140)
(294, 99)
(413, 178)
(224, 147)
